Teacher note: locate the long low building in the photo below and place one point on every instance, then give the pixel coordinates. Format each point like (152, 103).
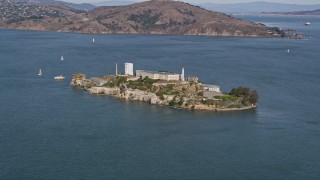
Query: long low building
(163, 75)
(210, 87)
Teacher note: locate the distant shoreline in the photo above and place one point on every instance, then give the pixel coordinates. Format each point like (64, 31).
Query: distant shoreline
(284, 14)
(191, 35)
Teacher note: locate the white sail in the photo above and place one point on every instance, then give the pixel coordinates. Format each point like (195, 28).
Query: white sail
(61, 58)
(40, 72)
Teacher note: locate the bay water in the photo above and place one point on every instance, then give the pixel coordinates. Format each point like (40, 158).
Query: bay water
(49, 130)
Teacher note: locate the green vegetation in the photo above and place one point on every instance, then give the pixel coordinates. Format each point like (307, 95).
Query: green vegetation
(227, 97)
(120, 80)
(279, 31)
(166, 91)
(249, 96)
(110, 84)
(146, 19)
(181, 101)
(185, 11)
(145, 84)
(161, 97)
(113, 26)
(208, 102)
(115, 81)
(174, 102)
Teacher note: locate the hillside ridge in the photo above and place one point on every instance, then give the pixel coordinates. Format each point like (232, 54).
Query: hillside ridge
(149, 17)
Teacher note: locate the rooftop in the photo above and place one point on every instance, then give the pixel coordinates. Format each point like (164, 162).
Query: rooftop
(210, 86)
(159, 72)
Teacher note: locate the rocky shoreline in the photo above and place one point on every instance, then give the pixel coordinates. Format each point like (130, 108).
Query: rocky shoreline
(188, 102)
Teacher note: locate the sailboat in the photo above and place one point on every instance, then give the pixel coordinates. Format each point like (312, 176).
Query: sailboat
(60, 77)
(92, 39)
(61, 58)
(288, 50)
(40, 72)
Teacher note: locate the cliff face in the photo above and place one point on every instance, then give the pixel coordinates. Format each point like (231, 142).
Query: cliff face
(151, 17)
(132, 94)
(127, 94)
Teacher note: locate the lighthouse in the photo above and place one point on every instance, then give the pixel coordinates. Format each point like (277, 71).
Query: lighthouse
(116, 69)
(182, 75)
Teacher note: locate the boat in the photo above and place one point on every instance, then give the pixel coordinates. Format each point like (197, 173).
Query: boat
(60, 77)
(288, 50)
(307, 23)
(40, 72)
(92, 39)
(61, 58)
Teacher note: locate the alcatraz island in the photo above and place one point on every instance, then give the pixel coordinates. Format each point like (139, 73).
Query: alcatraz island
(167, 89)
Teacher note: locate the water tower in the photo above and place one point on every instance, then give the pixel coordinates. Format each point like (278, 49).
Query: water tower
(128, 69)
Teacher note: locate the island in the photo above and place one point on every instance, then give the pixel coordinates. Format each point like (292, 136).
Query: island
(167, 89)
(296, 13)
(149, 17)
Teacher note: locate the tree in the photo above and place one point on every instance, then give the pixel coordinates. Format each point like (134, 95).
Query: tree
(249, 96)
(240, 92)
(253, 98)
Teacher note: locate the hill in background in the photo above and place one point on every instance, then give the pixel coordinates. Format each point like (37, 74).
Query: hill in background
(150, 17)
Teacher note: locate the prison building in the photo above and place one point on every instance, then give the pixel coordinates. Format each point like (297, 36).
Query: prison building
(162, 75)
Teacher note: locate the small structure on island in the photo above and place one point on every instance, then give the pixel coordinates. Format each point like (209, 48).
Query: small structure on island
(128, 69)
(182, 75)
(116, 69)
(193, 79)
(212, 88)
(162, 75)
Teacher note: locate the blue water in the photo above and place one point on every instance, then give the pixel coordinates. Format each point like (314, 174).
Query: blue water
(49, 130)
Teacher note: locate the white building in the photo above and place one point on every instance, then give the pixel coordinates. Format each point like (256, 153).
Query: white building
(209, 87)
(128, 69)
(163, 75)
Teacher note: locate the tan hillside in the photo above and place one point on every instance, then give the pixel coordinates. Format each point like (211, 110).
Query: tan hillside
(150, 17)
